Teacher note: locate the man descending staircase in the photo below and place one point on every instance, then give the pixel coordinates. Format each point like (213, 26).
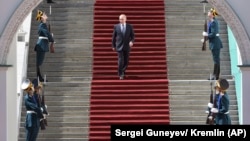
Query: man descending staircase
(68, 70)
(142, 97)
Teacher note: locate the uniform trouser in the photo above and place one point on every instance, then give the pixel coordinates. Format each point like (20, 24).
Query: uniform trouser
(123, 60)
(216, 60)
(223, 119)
(32, 132)
(39, 61)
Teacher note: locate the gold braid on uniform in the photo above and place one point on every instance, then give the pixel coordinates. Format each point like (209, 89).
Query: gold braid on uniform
(29, 87)
(214, 12)
(39, 15)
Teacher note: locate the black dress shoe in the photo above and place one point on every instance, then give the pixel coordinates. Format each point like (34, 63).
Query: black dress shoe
(121, 77)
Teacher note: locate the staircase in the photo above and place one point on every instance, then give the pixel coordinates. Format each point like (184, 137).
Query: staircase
(69, 70)
(189, 66)
(182, 85)
(142, 97)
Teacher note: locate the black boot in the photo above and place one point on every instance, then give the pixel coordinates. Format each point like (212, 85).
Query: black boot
(38, 73)
(214, 77)
(217, 73)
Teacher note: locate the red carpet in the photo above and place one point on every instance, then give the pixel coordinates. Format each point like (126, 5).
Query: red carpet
(142, 97)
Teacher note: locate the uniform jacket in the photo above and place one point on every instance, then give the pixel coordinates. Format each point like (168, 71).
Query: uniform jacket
(121, 41)
(42, 45)
(31, 118)
(223, 117)
(213, 35)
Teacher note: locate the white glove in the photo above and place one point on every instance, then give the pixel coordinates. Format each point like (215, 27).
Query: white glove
(210, 105)
(42, 109)
(204, 33)
(214, 110)
(202, 40)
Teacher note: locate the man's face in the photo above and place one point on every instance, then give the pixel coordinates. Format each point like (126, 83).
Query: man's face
(31, 91)
(122, 19)
(209, 14)
(44, 16)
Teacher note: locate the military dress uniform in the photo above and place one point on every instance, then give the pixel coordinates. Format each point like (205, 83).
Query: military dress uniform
(42, 45)
(41, 104)
(215, 43)
(222, 111)
(34, 113)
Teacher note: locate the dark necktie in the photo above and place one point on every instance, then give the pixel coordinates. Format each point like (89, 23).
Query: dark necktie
(123, 29)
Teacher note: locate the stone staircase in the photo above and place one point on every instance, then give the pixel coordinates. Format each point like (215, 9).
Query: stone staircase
(189, 66)
(69, 70)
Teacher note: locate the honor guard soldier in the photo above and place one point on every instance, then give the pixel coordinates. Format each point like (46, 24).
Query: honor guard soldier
(215, 43)
(34, 113)
(223, 102)
(38, 86)
(44, 43)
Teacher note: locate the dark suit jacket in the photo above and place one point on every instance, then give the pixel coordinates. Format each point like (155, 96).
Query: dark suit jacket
(120, 41)
(42, 45)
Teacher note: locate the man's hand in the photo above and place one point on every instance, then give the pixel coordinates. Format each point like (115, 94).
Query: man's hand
(113, 48)
(130, 43)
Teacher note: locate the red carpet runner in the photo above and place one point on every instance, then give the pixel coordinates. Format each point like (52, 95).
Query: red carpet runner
(142, 97)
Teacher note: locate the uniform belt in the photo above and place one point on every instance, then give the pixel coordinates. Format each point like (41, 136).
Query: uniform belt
(227, 112)
(218, 34)
(41, 37)
(31, 112)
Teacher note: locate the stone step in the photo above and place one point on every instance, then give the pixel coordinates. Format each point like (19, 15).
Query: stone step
(79, 119)
(196, 65)
(190, 70)
(196, 112)
(195, 118)
(196, 107)
(66, 108)
(46, 136)
(194, 77)
(179, 100)
(49, 62)
(190, 122)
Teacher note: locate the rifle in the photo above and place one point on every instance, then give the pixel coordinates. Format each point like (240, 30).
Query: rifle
(43, 122)
(51, 48)
(211, 116)
(205, 37)
(204, 2)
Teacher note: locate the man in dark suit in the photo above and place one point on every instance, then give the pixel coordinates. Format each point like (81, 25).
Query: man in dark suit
(122, 41)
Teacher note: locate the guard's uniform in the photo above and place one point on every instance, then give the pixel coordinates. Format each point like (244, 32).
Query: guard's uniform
(222, 110)
(223, 117)
(33, 112)
(42, 45)
(33, 116)
(215, 43)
